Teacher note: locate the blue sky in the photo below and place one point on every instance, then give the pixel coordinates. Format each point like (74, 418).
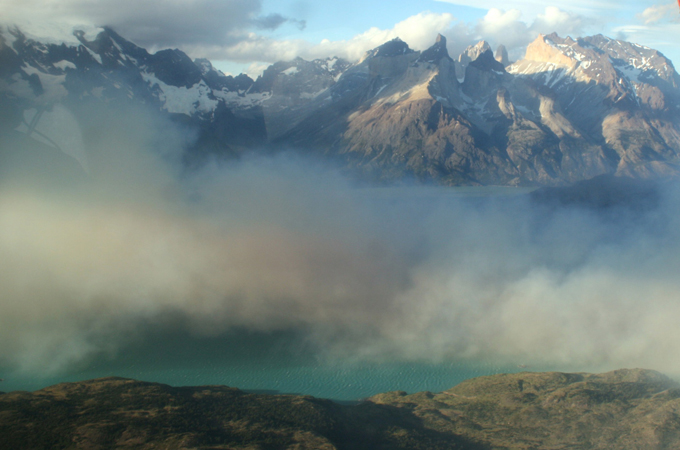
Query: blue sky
(648, 22)
(343, 20)
(247, 35)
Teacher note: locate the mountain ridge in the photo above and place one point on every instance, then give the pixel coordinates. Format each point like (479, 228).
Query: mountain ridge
(627, 408)
(571, 109)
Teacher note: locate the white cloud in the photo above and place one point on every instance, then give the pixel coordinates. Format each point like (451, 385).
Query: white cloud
(227, 30)
(255, 69)
(151, 23)
(504, 27)
(231, 30)
(560, 22)
(419, 31)
(533, 7)
(497, 20)
(659, 13)
(509, 28)
(657, 27)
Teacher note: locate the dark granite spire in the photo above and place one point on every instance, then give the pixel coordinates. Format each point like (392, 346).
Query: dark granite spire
(435, 53)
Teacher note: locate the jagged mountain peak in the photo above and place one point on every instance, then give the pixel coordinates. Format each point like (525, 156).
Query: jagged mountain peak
(395, 47)
(473, 51)
(635, 56)
(334, 65)
(166, 64)
(483, 76)
(501, 55)
(553, 49)
(605, 60)
(487, 62)
(300, 75)
(112, 46)
(216, 79)
(435, 53)
(204, 65)
(571, 109)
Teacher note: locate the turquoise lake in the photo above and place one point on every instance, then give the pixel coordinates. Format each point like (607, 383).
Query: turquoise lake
(268, 363)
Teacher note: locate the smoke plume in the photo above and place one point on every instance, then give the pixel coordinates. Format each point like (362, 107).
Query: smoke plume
(283, 243)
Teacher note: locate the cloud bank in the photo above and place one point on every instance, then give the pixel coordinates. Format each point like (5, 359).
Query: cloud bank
(659, 13)
(278, 244)
(533, 7)
(419, 31)
(232, 30)
(155, 25)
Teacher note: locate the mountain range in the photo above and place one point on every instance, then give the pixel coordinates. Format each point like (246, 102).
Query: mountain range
(570, 110)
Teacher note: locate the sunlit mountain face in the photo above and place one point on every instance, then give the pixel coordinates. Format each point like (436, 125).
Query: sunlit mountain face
(568, 111)
(394, 215)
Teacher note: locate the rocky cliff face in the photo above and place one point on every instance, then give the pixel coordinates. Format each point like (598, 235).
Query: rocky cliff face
(472, 53)
(570, 110)
(397, 116)
(620, 96)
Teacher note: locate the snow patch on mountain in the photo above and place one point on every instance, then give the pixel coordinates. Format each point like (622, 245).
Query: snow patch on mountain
(311, 95)
(182, 100)
(52, 33)
(630, 72)
(568, 49)
(53, 85)
(330, 64)
(63, 65)
(241, 100)
(94, 55)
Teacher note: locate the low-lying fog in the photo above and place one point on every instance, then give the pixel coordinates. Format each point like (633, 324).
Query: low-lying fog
(282, 245)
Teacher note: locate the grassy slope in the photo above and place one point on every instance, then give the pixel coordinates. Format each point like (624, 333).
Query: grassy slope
(626, 409)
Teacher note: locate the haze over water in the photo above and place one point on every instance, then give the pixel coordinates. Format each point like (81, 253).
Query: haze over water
(280, 273)
(262, 363)
(284, 362)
